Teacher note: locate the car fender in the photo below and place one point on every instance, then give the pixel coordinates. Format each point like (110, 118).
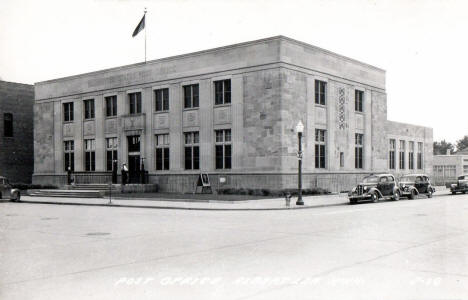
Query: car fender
(397, 189)
(375, 190)
(412, 188)
(13, 191)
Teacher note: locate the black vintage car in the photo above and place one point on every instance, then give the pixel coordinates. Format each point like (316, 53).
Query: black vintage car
(461, 186)
(412, 185)
(7, 191)
(375, 187)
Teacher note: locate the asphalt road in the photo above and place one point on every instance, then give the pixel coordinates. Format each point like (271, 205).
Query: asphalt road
(410, 249)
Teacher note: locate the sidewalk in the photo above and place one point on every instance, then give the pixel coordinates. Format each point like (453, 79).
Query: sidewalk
(190, 204)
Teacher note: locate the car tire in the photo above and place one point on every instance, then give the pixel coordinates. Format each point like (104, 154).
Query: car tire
(429, 194)
(412, 195)
(17, 197)
(396, 196)
(463, 192)
(453, 193)
(374, 197)
(352, 202)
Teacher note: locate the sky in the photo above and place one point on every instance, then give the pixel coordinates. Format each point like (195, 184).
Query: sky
(422, 45)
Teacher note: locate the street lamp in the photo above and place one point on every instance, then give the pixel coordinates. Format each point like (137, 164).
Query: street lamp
(299, 129)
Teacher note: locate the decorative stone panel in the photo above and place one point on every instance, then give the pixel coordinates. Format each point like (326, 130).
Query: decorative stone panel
(111, 125)
(359, 121)
(89, 128)
(161, 121)
(68, 130)
(191, 118)
(320, 115)
(133, 122)
(222, 115)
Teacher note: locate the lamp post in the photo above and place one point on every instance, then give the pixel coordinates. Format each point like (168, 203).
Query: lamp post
(299, 129)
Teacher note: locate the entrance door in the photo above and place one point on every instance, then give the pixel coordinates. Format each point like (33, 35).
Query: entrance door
(134, 168)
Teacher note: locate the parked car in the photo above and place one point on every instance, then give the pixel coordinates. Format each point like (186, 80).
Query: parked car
(374, 188)
(461, 185)
(412, 185)
(7, 191)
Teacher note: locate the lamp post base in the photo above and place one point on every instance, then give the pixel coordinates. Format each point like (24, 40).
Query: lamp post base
(299, 201)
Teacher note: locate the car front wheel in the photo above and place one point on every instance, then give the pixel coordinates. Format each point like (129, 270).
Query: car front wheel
(412, 195)
(16, 196)
(429, 194)
(374, 197)
(396, 196)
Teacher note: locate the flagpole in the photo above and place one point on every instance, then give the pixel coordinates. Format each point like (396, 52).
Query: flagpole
(145, 35)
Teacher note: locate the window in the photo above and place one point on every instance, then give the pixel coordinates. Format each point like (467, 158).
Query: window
(391, 155)
(320, 92)
(7, 125)
(411, 155)
(162, 152)
(320, 148)
(222, 91)
(69, 151)
(68, 112)
(89, 109)
(191, 96)
(90, 155)
(438, 171)
(111, 106)
(358, 99)
(341, 159)
(133, 143)
(161, 98)
(192, 150)
(450, 171)
(420, 150)
(135, 103)
(223, 149)
(358, 151)
(111, 152)
(402, 154)
(465, 168)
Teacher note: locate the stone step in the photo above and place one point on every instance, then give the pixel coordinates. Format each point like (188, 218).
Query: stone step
(67, 193)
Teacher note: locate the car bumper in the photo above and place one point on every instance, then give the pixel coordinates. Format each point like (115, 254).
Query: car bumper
(458, 189)
(355, 197)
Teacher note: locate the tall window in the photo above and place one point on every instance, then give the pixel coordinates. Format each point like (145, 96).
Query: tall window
(358, 150)
(320, 92)
(223, 149)
(358, 99)
(162, 152)
(89, 109)
(111, 106)
(402, 154)
(7, 125)
(111, 152)
(90, 155)
(161, 98)
(320, 143)
(420, 157)
(68, 112)
(222, 91)
(411, 155)
(192, 150)
(391, 154)
(69, 151)
(191, 96)
(135, 103)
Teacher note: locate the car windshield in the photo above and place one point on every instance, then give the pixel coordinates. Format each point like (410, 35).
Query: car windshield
(461, 177)
(408, 178)
(371, 179)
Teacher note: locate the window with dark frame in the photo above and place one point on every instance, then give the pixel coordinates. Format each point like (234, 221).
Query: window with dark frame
(391, 154)
(162, 151)
(161, 98)
(111, 152)
(358, 150)
(191, 97)
(111, 106)
(89, 109)
(90, 154)
(8, 125)
(68, 112)
(411, 155)
(320, 92)
(135, 103)
(223, 149)
(222, 91)
(420, 157)
(192, 150)
(320, 148)
(402, 155)
(69, 155)
(358, 100)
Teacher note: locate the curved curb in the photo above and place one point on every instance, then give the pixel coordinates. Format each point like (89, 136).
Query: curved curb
(181, 208)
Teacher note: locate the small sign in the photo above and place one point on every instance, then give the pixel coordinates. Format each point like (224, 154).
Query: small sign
(222, 179)
(203, 182)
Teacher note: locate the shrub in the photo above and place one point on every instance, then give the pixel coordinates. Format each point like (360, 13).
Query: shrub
(274, 193)
(29, 186)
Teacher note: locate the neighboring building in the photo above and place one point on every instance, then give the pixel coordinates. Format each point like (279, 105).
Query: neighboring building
(229, 112)
(448, 167)
(16, 131)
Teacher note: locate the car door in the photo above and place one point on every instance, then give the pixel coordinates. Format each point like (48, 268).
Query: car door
(383, 185)
(419, 184)
(391, 183)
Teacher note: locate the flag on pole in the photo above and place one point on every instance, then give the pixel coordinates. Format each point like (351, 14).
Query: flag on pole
(140, 26)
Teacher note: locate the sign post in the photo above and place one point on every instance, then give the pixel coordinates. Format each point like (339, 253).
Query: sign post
(203, 184)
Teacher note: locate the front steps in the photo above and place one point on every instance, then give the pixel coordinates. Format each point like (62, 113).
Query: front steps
(66, 193)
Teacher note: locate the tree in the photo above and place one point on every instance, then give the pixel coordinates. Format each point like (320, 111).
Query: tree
(462, 143)
(440, 148)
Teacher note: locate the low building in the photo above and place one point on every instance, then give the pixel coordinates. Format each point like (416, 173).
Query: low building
(448, 167)
(230, 112)
(16, 131)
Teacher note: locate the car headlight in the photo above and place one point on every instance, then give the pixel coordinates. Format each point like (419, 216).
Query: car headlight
(366, 188)
(453, 185)
(353, 190)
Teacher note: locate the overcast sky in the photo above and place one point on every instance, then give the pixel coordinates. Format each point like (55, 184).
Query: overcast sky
(422, 45)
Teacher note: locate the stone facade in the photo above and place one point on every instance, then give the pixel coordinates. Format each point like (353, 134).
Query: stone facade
(16, 151)
(448, 167)
(272, 87)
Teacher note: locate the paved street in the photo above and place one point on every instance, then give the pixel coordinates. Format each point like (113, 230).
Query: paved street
(410, 249)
